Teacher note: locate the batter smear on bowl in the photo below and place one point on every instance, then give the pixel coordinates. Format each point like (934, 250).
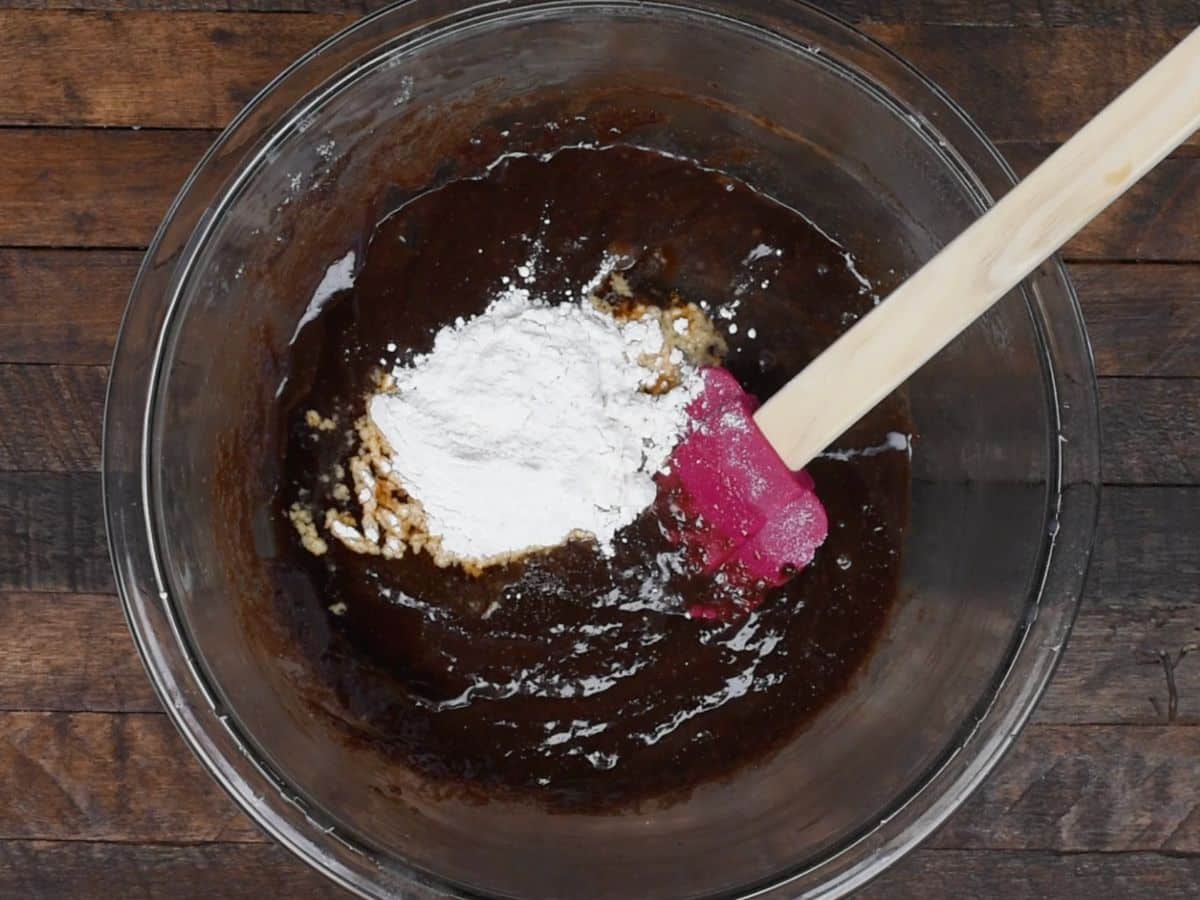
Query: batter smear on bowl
(484, 548)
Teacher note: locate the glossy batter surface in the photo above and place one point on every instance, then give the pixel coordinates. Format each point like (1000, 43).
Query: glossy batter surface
(570, 679)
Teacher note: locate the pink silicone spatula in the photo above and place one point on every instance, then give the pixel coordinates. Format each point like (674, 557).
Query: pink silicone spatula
(734, 483)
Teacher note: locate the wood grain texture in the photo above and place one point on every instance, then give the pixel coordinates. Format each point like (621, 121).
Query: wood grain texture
(62, 188)
(103, 777)
(340, 7)
(101, 871)
(1149, 430)
(990, 258)
(183, 71)
(52, 534)
(1098, 797)
(52, 416)
(1128, 663)
(111, 188)
(1147, 547)
(1141, 14)
(1154, 222)
(65, 305)
(1030, 84)
(1027, 875)
(71, 653)
(1079, 788)
(1143, 319)
(56, 411)
(1141, 614)
(1063, 788)
(52, 539)
(62, 306)
(197, 70)
(1053, 13)
(95, 188)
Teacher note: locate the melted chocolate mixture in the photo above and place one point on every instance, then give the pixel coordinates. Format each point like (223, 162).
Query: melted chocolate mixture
(570, 679)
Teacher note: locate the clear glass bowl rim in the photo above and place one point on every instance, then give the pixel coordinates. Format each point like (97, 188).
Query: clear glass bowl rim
(194, 706)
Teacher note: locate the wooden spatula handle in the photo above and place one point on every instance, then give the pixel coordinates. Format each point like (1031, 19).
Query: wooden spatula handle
(986, 261)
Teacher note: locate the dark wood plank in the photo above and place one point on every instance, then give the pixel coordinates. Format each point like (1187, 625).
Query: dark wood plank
(1140, 617)
(52, 416)
(1142, 319)
(73, 653)
(55, 415)
(1147, 547)
(182, 71)
(197, 70)
(1111, 782)
(108, 777)
(1131, 13)
(90, 188)
(52, 534)
(1141, 14)
(101, 871)
(98, 871)
(1146, 423)
(1132, 663)
(1080, 788)
(62, 306)
(1109, 789)
(993, 875)
(1150, 430)
(69, 652)
(52, 539)
(1030, 84)
(110, 188)
(1154, 222)
(1064, 788)
(343, 7)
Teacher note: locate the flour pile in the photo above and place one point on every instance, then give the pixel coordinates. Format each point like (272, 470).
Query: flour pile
(534, 423)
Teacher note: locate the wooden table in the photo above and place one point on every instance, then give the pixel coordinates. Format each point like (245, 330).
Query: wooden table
(104, 107)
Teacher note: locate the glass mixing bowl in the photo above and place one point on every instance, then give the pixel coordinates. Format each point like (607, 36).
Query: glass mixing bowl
(1005, 487)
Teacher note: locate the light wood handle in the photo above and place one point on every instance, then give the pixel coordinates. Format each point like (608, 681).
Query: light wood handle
(986, 261)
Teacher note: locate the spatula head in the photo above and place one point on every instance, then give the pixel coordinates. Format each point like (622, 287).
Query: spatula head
(751, 522)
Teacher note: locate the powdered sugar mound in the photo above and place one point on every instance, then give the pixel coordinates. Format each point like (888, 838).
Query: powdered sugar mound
(530, 424)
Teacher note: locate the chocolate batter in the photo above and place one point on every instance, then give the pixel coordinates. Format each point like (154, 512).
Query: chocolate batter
(569, 679)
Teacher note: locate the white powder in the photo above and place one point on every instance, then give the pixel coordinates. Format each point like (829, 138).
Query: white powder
(894, 441)
(527, 425)
(338, 277)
